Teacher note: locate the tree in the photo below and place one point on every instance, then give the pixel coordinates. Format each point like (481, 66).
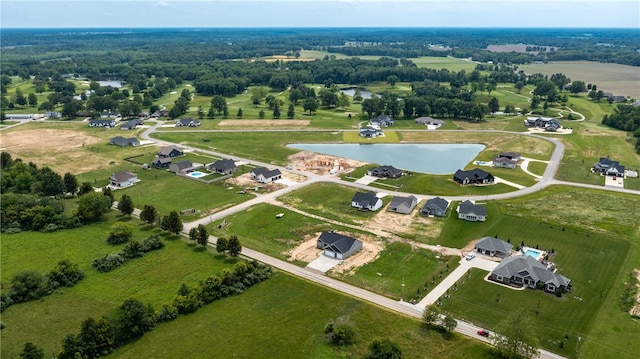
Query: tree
(134, 319)
(148, 214)
(261, 114)
(33, 99)
(19, 97)
(92, 206)
(70, 183)
(514, 336)
(51, 182)
(233, 246)
(310, 104)
(172, 223)
(384, 349)
(211, 114)
(392, 80)
(494, 105)
(221, 245)
(449, 323)
(357, 95)
(27, 285)
(219, 103)
(431, 315)
(31, 351)
(577, 87)
(291, 111)
(107, 192)
(193, 234)
(519, 85)
(125, 205)
(202, 236)
(5, 160)
(120, 232)
(239, 115)
(339, 334)
(343, 101)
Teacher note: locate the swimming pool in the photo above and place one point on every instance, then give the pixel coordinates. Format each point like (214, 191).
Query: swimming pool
(533, 253)
(196, 174)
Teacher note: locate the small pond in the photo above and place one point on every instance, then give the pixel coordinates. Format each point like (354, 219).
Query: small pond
(364, 93)
(423, 158)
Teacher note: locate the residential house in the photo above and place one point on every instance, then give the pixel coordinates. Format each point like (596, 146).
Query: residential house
(170, 151)
(122, 179)
(385, 172)
(474, 176)
(381, 121)
(224, 166)
(132, 124)
(526, 271)
(504, 162)
(607, 167)
(403, 205)
(435, 207)
(429, 121)
(187, 122)
(265, 175)
(159, 113)
(471, 212)
(19, 116)
(547, 123)
(52, 114)
(493, 247)
(101, 123)
(510, 155)
(161, 162)
(109, 114)
(181, 167)
(370, 132)
(121, 141)
(366, 201)
(336, 245)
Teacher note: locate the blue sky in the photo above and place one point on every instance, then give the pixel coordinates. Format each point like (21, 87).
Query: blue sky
(319, 13)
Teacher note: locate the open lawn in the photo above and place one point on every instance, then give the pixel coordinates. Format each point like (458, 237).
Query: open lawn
(402, 267)
(261, 323)
(154, 279)
(537, 168)
(449, 63)
(389, 137)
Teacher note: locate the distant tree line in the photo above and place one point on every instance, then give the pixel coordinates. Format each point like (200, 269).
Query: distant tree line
(627, 118)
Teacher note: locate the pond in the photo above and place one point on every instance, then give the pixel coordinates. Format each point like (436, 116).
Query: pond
(423, 158)
(364, 93)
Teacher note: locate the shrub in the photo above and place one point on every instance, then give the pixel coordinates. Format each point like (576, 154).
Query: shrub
(65, 274)
(108, 262)
(131, 250)
(5, 302)
(168, 313)
(28, 285)
(120, 233)
(151, 243)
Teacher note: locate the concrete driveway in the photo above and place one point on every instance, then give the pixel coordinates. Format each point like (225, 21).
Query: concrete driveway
(323, 263)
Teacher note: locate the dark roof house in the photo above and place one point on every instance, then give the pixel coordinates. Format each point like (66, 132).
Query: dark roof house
(385, 172)
(224, 166)
(336, 245)
(472, 212)
(122, 179)
(429, 121)
(132, 124)
(366, 201)
(435, 207)
(161, 162)
(525, 271)
(608, 167)
(370, 132)
(474, 176)
(381, 121)
(265, 175)
(121, 141)
(403, 205)
(493, 247)
(170, 151)
(187, 122)
(181, 167)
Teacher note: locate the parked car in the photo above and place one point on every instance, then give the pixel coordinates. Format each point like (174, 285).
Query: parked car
(469, 256)
(483, 333)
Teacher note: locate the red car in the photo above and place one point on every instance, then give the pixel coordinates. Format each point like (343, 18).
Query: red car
(483, 333)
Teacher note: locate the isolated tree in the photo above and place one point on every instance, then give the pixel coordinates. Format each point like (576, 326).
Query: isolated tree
(200, 112)
(494, 105)
(576, 87)
(148, 214)
(261, 114)
(239, 115)
(221, 245)
(120, 232)
(449, 323)
(33, 99)
(310, 104)
(233, 246)
(125, 205)
(276, 112)
(202, 235)
(341, 333)
(343, 101)
(490, 87)
(172, 223)
(392, 80)
(70, 183)
(31, 351)
(515, 337)
(211, 114)
(431, 315)
(92, 206)
(519, 85)
(291, 111)
(384, 349)
(219, 103)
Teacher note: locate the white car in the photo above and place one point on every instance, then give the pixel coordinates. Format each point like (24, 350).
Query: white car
(469, 256)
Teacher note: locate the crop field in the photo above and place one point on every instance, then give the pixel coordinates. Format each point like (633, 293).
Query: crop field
(615, 78)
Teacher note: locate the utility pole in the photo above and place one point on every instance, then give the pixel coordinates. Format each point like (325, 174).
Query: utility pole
(402, 297)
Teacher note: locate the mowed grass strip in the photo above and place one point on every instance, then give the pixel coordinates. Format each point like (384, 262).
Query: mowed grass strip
(154, 279)
(402, 265)
(284, 317)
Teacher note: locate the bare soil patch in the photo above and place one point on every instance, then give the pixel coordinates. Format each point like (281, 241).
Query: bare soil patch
(635, 310)
(396, 223)
(61, 150)
(517, 48)
(305, 251)
(322, 164)
(264, 123)
(244, 181)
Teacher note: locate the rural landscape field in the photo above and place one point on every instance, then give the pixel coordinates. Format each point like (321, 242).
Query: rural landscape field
(153, 204)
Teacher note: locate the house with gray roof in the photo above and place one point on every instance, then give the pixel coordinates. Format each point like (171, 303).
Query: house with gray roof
(122, 179)
(370, 132)
(425, 120)
(132, 124)
(474, 176)
(101, 123)
(504, 162)
(161, 162)
(265, 175)
(366, 201)
(493, 247)
(381, 121)
(435, 207)
(224, 166)
(527, 272)
(123, 142)
(385, 172)
(187, 122)
(471, 212)
(336, 245)
(608, 167)
(170, 151)
(181, 167)
(403, 205)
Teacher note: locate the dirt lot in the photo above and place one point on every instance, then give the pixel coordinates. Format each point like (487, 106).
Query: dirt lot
(263, 123)
(307, 252)
(396, 223)
(61, 150)
(322, 164)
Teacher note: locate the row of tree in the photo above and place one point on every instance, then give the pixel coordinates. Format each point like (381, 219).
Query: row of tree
(626, 118)
(131, 250)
